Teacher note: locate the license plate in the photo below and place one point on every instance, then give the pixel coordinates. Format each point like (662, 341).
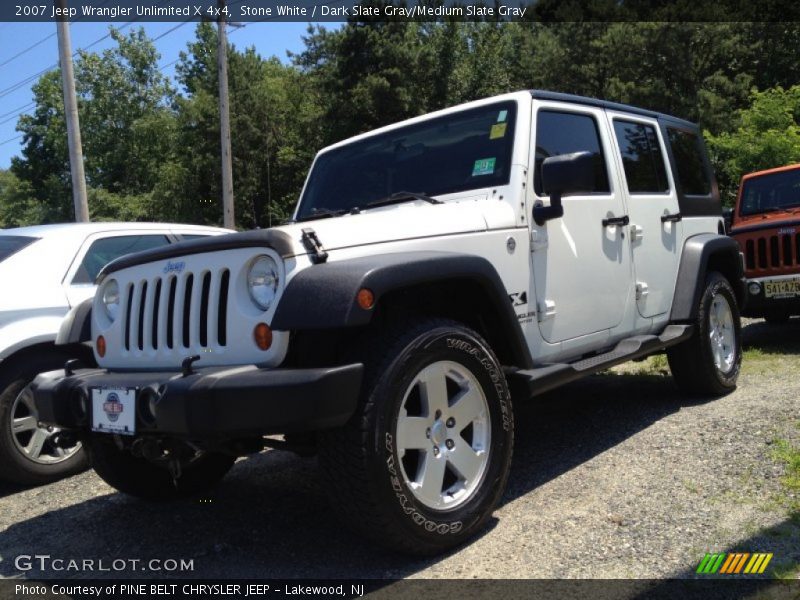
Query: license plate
(114, 410)
(784, 288)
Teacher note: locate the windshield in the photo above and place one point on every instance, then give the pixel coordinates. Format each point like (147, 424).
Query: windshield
(771, 192)
(462, 151)
(9, 244)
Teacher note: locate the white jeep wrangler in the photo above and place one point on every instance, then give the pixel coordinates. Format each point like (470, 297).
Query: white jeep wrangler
(433, 270)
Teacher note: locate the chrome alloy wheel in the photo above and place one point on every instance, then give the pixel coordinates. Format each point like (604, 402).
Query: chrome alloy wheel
(443, 435)
(32, 441)
(721, 332)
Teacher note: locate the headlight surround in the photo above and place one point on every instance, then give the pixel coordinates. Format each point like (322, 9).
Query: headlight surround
(111, 299)
(263, 277)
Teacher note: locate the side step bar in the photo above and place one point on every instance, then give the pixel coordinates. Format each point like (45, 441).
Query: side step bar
(532, 382)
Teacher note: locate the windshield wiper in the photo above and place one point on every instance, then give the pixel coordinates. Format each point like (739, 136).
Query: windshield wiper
(399, 197)
(322, 213)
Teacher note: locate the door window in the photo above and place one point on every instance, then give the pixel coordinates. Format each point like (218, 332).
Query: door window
(688, 153)
(641, 157)
(103, 251)
(563, 133)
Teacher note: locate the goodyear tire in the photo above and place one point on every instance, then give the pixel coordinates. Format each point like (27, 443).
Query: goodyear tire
(141, 478)
(708, 363)
(424, 461)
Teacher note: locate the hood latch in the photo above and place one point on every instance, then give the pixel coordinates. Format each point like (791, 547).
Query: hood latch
(314, 246)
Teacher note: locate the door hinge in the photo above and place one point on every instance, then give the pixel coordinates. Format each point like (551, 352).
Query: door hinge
(314, 246)
(538, 240)
(637, 233)
(548, 311)
(641, 290)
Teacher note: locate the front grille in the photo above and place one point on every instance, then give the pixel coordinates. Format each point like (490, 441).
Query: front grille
(772, 251)
(177, 312)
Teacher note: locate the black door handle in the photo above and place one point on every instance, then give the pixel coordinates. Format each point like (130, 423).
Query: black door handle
(672, 218)
(614, 221)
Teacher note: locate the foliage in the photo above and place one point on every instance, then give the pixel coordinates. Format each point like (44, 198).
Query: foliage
(766, 134)
(152, 151)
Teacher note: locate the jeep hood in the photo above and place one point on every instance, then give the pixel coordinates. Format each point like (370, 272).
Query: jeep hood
(392, 224)
(379, 225)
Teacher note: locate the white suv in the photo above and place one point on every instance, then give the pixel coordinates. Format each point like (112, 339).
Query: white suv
(44, 271)
(435, 269)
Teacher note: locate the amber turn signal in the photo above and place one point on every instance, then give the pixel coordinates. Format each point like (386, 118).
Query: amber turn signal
(366, 299)
(101, 346)
(263, 336)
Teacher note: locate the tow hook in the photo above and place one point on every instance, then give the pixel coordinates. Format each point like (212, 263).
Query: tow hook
(147, 448)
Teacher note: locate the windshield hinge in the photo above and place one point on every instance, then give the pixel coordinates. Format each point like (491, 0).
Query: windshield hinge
(314, 246)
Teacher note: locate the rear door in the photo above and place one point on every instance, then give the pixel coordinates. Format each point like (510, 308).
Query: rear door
(655, 227)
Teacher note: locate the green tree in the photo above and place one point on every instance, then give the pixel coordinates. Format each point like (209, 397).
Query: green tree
(17, 207)
(766, 135)
(127, 125)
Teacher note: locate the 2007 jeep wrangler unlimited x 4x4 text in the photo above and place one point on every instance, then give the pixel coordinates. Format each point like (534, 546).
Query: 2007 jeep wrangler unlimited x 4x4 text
(434, 269)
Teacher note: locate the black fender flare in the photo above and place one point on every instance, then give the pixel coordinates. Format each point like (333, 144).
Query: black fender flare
(76, 328)
(701, 253)
(324, 296)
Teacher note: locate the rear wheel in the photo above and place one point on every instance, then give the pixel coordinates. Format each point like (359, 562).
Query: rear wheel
(422, 464)
(142, 478)
(709, 362)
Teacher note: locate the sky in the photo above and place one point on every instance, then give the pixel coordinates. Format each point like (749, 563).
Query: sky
(269, 39)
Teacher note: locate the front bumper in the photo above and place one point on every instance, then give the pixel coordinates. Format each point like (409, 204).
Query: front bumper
(758, 305)
(214, 402)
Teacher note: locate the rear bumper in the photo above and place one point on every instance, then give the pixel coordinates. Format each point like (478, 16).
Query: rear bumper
(211, 402)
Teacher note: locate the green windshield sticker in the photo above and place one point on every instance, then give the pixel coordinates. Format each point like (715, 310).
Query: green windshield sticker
(502, 116)
(483, 166)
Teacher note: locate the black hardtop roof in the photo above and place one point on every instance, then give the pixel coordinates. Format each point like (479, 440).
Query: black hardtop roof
(575, 99)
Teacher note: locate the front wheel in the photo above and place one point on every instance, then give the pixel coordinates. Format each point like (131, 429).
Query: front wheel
(424, 461)
(708, 363)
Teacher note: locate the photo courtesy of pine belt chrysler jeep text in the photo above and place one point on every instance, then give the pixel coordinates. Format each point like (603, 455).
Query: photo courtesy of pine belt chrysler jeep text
(433, 270)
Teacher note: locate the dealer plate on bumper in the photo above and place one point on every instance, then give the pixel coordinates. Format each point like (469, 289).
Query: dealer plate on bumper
(782, 288)
(114, 410)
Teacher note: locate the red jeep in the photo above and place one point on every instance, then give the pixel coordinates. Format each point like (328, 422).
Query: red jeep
(766, 223)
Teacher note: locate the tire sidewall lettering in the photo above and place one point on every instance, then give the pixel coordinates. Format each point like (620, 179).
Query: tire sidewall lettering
(474, 356)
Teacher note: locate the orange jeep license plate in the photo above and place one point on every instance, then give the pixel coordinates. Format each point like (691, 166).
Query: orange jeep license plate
(785, 288)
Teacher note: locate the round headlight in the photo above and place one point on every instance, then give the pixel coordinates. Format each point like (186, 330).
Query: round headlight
(111, 299)
(262, 281)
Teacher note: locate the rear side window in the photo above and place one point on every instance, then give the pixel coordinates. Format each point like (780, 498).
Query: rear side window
(103, 251)
(563, 133)
(641, 157)
(10, 244)
(687, 151)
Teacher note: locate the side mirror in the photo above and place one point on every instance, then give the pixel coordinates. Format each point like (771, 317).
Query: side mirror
(727, 217)
(561, 175)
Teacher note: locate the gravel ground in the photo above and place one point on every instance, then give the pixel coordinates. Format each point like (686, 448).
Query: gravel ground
(616, 476)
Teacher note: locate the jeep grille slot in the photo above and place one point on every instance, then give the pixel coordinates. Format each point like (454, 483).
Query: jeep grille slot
(128, 306)
(187, 311)
(750, 254)
(222, 319)
(156, 306)
(204, 309)
(173, 285)
(772, 252)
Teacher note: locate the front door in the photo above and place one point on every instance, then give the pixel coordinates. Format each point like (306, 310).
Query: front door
(581, 265)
